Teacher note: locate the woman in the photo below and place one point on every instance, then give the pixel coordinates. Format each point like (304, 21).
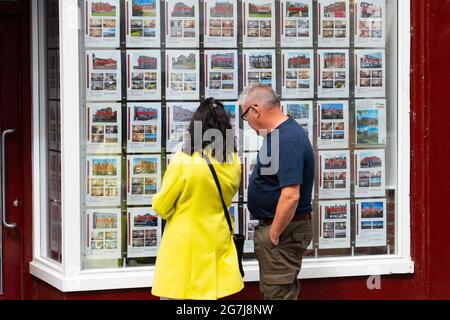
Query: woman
(197, 258)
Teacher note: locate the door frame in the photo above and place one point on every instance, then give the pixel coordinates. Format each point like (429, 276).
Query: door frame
(23, 8)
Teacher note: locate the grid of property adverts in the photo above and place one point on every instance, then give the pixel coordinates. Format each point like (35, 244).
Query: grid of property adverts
(148, 64)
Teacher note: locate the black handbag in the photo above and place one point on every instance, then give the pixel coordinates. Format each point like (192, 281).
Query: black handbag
(238, 238)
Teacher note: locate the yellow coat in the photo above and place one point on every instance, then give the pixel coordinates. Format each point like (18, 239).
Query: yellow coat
(197, 258)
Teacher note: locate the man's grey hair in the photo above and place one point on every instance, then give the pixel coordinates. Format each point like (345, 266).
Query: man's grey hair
(262, 95)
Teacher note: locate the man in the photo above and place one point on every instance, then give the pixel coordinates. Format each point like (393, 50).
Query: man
(279, 193)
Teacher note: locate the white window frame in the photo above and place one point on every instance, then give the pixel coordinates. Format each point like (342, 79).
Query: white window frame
(69, 277)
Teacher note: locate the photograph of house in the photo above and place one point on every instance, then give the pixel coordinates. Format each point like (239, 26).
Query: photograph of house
(260, 10)
(372, 210)
(260, 61)
(335, 10)
(145, 62)
(181, 10)
(373, 60)
(297, 9)
(299, 61)
(370, 10)
(370, 162)
(144, 8)
(103, 9)
(222, 9)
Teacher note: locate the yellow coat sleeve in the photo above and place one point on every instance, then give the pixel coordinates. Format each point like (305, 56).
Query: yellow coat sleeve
(164, 202)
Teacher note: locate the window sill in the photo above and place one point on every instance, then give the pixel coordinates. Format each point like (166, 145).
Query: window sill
(142, 277)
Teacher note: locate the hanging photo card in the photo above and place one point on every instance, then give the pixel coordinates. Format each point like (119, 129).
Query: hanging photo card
(334, 23)
(144, 74)
(234, 213)
(370, 23)
(302, 112)
(370, 223)
(296, 18)
(252, 141)
(260, 67)
(55, 227)
(370, 73)
(182, 74)
(142, 23)
(332, 124)
(333, 75)
(220, 23)
(334, 224)
(298, 74)
(103, 228)
(179, 116)
(54, 176)
(334, 174)
(103, 181)
(221, 74)
(370, 173)
(249, 230)
(53, 76)
(182, 23)
(103, 78)
(104, 123)
(250, 159)
(232, 109)
(370, 117)
(54, 125)
(143, 178)
(143, 232)
(258, 23)
(102, 23)
(144, 127)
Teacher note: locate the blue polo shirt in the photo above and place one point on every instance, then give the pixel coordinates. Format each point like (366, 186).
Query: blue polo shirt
(289, 162)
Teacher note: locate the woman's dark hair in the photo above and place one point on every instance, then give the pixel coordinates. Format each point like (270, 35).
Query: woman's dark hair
(212, 115)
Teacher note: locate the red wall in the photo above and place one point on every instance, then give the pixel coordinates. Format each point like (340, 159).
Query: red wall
(430, 179)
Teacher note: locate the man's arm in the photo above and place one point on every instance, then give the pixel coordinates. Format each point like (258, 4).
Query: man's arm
(286, 207)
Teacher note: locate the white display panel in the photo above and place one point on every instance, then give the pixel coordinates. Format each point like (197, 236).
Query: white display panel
(302, 112)
(333, 23)
(182, 23)
(370, 173)
(103, 181)
(332, 124)
(182, 74)
(370, 23)
(103, 228)
(260, 67)
(333, 74)
(249, 231)
(103, 75)
(144, 74)
(143, 232)
(334, 226)
(102, 23)
(298, 74)
(334, 174)
(179, 116)
(220, 23)
(296, 23)
(143, 23)
(144, 127)
(250, 159)
(370, 117)
(143, 178)
(221, 74)
(258, 23)
(104, 127)
(370, 73)
(371, 222)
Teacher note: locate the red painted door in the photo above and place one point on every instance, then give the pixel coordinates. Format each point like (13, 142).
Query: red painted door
(14, 108)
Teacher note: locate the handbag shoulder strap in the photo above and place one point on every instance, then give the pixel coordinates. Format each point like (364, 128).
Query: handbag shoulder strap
(216, 179)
